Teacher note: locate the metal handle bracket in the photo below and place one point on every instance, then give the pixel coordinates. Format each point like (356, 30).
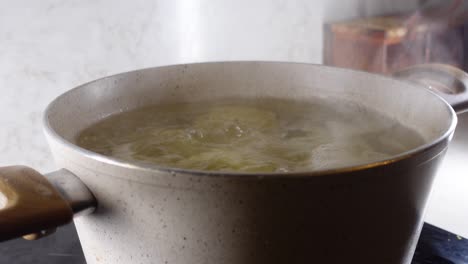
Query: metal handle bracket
(447, 81)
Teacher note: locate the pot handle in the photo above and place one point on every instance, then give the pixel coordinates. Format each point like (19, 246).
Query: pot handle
(447, 81)
(32, 205)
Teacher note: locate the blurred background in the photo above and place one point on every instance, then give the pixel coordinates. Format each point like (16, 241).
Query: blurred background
(48, 47)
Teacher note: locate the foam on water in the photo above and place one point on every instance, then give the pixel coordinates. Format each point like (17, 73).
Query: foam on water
(268, 135)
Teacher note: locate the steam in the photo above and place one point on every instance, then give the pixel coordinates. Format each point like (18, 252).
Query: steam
(434, 34)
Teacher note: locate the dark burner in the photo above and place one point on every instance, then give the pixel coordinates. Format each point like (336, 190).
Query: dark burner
(436, 246)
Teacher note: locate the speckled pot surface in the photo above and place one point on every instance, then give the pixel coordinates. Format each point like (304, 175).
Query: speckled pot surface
(149, 214)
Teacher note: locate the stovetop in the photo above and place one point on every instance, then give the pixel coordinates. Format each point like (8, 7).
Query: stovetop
(435, 246)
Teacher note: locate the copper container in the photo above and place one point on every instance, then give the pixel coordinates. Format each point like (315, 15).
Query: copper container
(384, 44)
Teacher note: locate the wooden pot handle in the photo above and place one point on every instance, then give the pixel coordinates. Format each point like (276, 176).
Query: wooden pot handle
(31, 206)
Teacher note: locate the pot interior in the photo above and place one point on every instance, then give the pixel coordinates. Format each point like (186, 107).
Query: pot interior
(413, 106)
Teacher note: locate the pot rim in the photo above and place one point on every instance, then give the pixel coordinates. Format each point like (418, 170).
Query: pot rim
(49, 131)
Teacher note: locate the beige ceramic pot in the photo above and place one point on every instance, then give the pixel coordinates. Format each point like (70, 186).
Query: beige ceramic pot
(369, 213)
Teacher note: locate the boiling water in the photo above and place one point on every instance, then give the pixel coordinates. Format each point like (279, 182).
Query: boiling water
(250, 136)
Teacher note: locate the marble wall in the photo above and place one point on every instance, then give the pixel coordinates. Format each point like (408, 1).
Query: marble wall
(50, 46)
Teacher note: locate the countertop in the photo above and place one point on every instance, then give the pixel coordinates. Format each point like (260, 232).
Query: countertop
(448, 205)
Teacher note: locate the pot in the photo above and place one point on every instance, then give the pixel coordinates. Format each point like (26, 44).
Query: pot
(369, 213)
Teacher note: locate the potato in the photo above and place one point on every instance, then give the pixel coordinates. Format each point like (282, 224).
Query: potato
(285, 153)
(177, 142)
(225, 124)
(225, 160)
